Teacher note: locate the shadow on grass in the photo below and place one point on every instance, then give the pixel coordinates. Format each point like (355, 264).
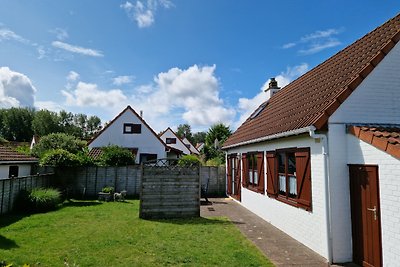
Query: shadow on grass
(6, 243)
(13, 217)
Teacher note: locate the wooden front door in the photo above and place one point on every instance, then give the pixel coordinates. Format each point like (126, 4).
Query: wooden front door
(365, 215)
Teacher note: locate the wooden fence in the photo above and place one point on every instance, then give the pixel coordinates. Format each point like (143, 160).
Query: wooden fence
(10, 188)
(170, 192)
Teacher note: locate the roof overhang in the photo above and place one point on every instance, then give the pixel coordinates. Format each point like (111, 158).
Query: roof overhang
(8, 162)
(273, 136)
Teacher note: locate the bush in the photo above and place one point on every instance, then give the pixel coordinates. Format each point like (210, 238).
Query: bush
(39, 200)
(58, 141)
(216, 162)
(108, 189)
(60, 158)
(189, 160)
(116, 156)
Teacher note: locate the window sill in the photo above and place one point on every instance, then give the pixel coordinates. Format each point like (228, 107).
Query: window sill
(254, 189)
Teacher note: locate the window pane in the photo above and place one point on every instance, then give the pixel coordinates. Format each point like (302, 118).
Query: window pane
(250, 177)
(282, 184)
(291, 163)
(292, 186)
(254, 162)
(255, 177)
(281, 162)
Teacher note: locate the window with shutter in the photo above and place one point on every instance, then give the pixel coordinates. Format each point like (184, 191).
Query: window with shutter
(253, 171)
(289, 176)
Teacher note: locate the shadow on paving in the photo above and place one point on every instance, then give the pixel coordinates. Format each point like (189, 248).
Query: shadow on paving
(193, 221)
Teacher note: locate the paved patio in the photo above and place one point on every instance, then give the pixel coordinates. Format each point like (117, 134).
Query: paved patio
(280, 248)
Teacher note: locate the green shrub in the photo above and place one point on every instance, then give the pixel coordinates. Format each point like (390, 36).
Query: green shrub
(116, 156)
(189, 160)
(108, 189)
(38, 200)
(216, 162)
(60, 158)
(58, 141)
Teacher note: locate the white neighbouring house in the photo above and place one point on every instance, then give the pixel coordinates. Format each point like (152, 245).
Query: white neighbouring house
(170, 138)
(190, 146)
(130, 131)
(320, 159)
(14, 164)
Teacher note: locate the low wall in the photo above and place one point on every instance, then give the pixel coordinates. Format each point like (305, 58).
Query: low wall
(170, 193)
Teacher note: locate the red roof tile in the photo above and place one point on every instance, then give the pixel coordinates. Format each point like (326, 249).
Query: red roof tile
(8, 154)
(312, 98)
(96, 152)
(384, 138)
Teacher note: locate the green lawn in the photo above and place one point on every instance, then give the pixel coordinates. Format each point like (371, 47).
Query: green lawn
(111, 234)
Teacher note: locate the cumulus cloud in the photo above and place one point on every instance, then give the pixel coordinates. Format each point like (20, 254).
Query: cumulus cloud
(88, 94)
(16, 89)
(190, 94)
(72, 76)
(247, 106)
(49, 105)
(315, 42)
(77, 49)
(142, 12)
(120, 80)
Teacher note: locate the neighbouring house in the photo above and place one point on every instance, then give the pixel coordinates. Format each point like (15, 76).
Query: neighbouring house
(199, 146)
(170, 138)
(15, 164)
(129, 130)
(320, 159)
(192, 148)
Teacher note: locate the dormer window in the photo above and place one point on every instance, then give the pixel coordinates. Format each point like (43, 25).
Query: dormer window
(187, 145)
(171, 141)
(258, 110)
(131, 128)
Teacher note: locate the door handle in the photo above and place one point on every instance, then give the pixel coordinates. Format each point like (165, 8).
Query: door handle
(374, 211)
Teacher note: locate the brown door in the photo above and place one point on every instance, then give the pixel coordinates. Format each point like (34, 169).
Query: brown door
(365, 215)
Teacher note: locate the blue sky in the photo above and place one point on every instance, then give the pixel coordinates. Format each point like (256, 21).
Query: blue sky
(180, 61)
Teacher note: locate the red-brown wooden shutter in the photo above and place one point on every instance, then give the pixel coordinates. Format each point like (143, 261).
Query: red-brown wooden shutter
(272, 174)
(260, 171)
(303, 174)
(245, 172)
(229, 175)
(237, 177)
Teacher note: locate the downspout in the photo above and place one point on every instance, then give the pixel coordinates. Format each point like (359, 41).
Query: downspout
(325, 153)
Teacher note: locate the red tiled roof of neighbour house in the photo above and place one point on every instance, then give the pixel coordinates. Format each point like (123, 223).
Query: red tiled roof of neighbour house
(96, 152)
(119, 115)
(313, 97)
(9, 154)
(384, 138)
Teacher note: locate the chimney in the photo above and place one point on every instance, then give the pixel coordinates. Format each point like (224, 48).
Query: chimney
(141, 114)
(272, 88)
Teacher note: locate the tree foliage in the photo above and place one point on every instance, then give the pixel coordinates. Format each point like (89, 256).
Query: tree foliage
(16, 124)
(58, 141)
(184, 130)
(116, 156)
(60, 158)
(216, 136)
(199, 137)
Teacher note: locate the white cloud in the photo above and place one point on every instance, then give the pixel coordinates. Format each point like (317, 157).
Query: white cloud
(61, 34)
(88, 94)
(120, 80)
(191, 95)
(77, 49)
(72, 76)
(143, 11)
(247, 106)
(49, 105)
(16, 89)
(7, 34)
(315, 42)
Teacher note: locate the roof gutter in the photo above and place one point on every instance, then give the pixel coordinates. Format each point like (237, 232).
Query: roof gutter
(18, 162)
(273, 136)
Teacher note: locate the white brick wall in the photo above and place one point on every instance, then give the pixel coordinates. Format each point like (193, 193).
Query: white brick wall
(307, 227)
(360, 152)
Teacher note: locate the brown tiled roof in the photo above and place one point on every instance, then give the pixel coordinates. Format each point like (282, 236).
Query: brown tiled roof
(383, 138)
(96, 152)
(313, 97)
(9, 154)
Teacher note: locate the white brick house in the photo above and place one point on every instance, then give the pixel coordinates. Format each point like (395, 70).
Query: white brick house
(320, 159)
(130, 131)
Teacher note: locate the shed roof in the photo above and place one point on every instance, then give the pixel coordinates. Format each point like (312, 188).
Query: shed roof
(8, 154)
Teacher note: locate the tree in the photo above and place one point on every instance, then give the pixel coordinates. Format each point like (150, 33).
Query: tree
(184, 130)
(45, 122)
(216, 136)
(93, 126)
(58, 141)
(16, 124)
(199, 137)
(59, 158)
(116, 156)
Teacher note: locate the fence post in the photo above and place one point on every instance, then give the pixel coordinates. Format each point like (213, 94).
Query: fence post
(2, 197)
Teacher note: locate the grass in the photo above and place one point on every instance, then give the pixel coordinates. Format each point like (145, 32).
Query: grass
(111, 234)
